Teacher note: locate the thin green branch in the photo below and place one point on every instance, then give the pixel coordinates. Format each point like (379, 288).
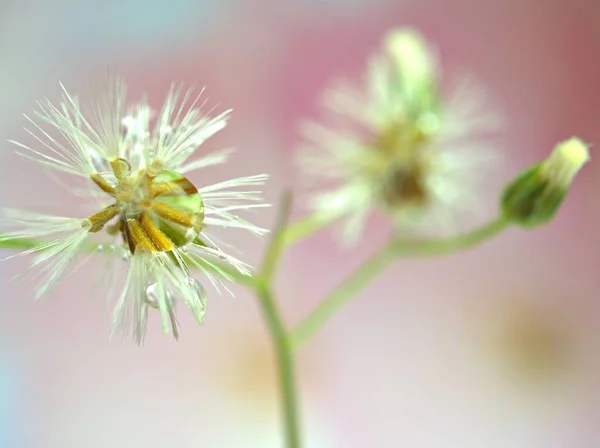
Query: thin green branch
(279, 336)
(285, 365)
(341, 295)
(377, 263)
(302, 229)
(277, 241)
(444, 246)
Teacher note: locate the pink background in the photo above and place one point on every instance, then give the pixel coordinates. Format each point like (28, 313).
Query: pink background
(434, 354)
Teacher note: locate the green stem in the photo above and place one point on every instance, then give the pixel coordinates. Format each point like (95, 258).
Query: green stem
(279, 335)
(444, 246)
(341, 295)
(377, 263)
(285, 364)
(301, 229)
(277, 242)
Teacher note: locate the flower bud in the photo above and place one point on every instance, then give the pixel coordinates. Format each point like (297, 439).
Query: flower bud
(535, 196)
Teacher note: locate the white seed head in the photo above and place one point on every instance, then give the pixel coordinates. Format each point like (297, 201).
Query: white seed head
(156, 217)
(398, 145)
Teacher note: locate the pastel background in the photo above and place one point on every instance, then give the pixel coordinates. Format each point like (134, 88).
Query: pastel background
(497, 347)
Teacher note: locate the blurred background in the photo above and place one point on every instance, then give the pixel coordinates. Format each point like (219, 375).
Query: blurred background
(497, 347)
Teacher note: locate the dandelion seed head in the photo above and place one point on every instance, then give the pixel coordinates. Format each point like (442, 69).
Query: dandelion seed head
(400, 144)
(150, 214)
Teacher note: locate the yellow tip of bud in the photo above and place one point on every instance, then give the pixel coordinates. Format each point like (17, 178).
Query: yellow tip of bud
(565, 161)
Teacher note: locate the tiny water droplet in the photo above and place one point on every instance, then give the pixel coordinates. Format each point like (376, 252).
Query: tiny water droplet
(196, 286)
(100, 248)
(151, 297)
(200, 305)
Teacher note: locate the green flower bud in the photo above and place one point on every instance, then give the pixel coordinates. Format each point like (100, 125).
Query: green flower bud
(535, 196)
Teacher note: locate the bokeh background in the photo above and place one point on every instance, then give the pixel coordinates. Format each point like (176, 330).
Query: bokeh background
(497, 347)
